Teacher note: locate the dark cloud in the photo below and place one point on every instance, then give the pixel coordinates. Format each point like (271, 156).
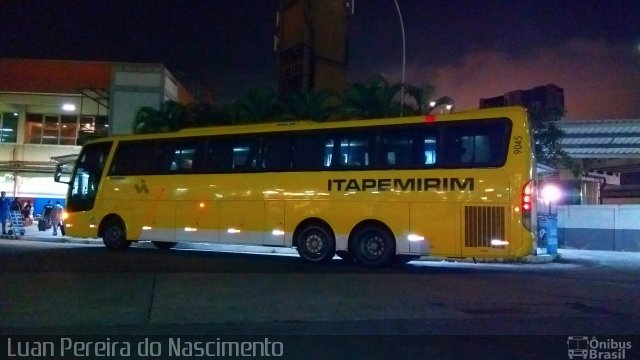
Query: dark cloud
(600, 79)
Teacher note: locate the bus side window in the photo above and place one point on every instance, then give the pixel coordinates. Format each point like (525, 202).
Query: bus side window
(178, 156)
(134, 158)
(329, 151)
(245, 155)
(429, 150)
(276, 154)
(219, 156)
(354, 151)
(308, 153)
(408, 149)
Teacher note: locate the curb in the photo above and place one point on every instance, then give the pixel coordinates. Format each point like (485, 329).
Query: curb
(530, 259)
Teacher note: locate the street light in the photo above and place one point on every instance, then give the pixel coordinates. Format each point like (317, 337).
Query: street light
(403, 57)
(442, 102)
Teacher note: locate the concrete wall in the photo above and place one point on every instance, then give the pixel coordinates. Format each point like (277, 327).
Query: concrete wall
(132, 87)
(599, 227)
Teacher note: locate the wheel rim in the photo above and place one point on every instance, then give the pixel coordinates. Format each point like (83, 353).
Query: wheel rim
(113, 234)
(314, 244)
(373, 246)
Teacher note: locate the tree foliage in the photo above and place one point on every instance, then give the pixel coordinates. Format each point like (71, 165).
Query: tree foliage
(422, 96)
(171, 116)
(547, 137)
(372, 99)
(318, 106)
(258, 105)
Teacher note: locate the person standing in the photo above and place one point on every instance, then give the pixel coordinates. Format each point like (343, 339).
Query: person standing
(56, 217)
(4, 211)
(16, 205)
(26, 213)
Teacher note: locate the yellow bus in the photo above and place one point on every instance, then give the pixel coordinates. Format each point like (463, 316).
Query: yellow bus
(450, 185)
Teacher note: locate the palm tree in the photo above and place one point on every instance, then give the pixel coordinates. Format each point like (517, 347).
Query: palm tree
(175, 114)
(172, 116)
(373, 99)
(310, 105)
(203, 114)
(257, 105)
(148, 120)
(422, 96)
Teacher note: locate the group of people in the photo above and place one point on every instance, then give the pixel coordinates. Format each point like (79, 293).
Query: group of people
(50, 212)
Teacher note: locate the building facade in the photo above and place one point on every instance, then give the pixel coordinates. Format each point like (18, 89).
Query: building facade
(311, 45)
(49, 108)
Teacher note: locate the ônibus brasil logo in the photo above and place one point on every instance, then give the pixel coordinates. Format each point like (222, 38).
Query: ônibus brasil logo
(583, 347)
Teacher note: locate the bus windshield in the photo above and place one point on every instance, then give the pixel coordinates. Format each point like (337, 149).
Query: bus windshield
(86, 177)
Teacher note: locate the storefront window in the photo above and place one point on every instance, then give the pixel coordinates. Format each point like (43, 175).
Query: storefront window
(8, 127)
(51, 129)
(33, 129)
(68, 129)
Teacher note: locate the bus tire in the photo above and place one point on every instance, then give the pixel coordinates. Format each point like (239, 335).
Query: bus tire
(374, 246)
(315, 244)
(114, 235)
(164, 245)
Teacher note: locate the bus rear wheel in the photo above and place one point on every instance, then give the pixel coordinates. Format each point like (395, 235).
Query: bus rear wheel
(114, 235)
(374, 246)
(315, 244)
(164, 245)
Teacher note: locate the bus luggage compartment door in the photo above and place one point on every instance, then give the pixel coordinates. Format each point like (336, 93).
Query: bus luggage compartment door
(242, 222)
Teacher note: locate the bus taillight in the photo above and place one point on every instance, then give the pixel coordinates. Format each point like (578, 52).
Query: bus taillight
(527, 203)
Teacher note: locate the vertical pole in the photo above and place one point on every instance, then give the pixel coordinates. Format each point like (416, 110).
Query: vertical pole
(403, 58)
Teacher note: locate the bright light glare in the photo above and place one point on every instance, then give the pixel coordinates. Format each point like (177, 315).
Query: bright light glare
(68, 107)
(550, 193)
(496, 242)
(414, 237)
(232, 231)
(277, 232)
(146, 227)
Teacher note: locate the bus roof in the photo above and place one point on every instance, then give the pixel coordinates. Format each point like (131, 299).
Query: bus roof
(512, 111)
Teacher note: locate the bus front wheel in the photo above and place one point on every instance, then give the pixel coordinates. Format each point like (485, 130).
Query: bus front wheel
(164, 245)
(315, 244)
(374, 246)
(114, 235)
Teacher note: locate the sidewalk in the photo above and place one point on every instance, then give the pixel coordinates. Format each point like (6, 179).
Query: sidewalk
(31, 233)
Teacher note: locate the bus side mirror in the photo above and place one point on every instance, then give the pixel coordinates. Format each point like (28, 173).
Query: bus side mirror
(58, 174)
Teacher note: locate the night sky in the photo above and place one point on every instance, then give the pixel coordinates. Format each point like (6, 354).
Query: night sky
(467, 49)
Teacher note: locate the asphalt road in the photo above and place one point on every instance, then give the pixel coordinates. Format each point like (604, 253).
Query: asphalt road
(51, 288)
